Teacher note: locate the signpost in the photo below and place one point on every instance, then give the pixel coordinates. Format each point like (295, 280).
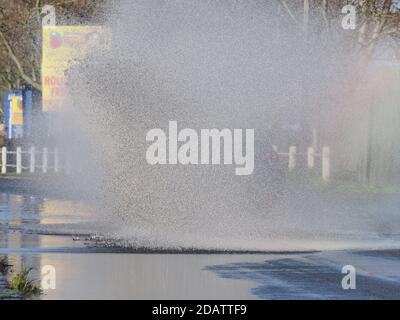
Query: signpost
(14, 114)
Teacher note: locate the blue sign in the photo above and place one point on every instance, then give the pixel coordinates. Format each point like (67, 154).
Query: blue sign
(14, 114)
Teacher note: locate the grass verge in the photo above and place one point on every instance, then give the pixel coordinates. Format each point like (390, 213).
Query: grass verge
(349, 185)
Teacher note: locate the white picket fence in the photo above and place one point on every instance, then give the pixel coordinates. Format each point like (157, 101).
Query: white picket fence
(311, 155)
(33, 155)
(45, 156)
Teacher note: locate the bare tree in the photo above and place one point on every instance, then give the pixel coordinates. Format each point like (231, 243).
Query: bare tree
(20, 36)
(377, 21)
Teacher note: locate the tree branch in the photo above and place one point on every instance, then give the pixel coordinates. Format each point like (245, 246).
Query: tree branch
(324, 9)
(17, 63)
(284, 4)
(38, 12)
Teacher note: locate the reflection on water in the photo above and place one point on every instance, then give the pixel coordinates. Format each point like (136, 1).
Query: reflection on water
(104, 275)
(138, 276)
(83, 272)
(23, 210)
(20, 215)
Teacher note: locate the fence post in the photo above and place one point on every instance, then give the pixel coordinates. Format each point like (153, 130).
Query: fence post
(3, 160)
(32, 160)
(326, 163)
(55, 160)
(310, 157)
(44, 160)
(292, 157)
(19, 161)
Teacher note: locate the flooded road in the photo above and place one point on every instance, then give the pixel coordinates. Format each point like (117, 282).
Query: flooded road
(85, 270)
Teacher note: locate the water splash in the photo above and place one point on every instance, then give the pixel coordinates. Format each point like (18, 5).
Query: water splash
(204, 64)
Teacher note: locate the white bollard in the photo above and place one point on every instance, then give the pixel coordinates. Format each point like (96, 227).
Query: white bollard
(310, 157)
(44, 160)
(19, 160)
(275, 148)
(326, 163)
(3, 160)
(292, 157)
(55, 160)
(32, 160)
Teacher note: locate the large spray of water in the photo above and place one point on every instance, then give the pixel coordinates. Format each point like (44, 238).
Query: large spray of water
(204, 64)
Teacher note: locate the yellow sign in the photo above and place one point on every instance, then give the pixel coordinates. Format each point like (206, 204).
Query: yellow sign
(17, 117)
(62, 46)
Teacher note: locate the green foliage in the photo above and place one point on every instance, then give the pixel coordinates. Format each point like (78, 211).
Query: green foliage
(24, 286)
(312, 181)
